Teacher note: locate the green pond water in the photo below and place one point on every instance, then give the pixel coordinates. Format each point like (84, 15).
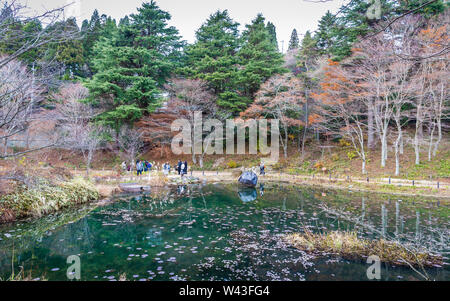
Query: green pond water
(222, 232)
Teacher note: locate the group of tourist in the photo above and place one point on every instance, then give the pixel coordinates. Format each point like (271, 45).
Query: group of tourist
(145, 166)
(182, 168)
(141, 166)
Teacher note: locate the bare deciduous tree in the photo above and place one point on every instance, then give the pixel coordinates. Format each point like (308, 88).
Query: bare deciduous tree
(13, 14)
(344, 105)
(74, 120)
(190, 96)
(279, 97)
(130, 143)
(431, 80)
(19, 94)
(89, 142)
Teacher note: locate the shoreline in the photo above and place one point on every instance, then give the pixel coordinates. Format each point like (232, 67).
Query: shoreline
(108, 187)
(398, 187)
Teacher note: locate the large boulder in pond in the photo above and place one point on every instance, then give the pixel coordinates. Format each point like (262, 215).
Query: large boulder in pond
(248, 178)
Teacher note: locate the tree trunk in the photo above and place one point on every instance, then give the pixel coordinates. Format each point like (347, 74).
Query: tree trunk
(5, 147)
(436, 146)
(363, 164)
(201, 161)
(397, 154)
(88, 163)
(383, 148)
(430, 147)
(303, 141)
(370, 128)
(305, 129)
(402, 144)
(416, 143)
(286, 140)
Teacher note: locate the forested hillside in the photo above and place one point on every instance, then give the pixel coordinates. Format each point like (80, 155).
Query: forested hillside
(373, 78)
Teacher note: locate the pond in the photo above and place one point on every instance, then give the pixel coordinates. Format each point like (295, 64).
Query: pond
(222, 232)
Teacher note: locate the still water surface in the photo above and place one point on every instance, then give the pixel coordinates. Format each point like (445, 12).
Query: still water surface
(221, 232)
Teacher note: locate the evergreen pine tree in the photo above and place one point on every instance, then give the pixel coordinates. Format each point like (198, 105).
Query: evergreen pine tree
(85, 25)
(125, 21)
(133, 65)
(68, 53)
(213, 58)
(324, 33)
(294, 41)
(336, 35)
(91, 31)
(259, 57)
(308, 52)
(11, 41)
(272, 34)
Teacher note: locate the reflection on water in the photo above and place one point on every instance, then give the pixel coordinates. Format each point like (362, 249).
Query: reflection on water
(247, 194)
(221, 232)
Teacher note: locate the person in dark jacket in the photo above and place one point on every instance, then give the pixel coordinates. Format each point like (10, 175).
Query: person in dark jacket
(179, 167)
(185, 168)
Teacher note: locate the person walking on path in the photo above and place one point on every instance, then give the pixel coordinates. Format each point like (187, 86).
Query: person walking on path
(262, 169)
(166, 169)
(182, 169)
(139, 167)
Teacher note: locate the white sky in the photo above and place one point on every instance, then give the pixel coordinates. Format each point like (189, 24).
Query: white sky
(188, 15)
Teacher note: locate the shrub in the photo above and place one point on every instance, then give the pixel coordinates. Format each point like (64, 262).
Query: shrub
(344, 143)
(232, 164)
(352, 155)
(318, 165)
(335, 157)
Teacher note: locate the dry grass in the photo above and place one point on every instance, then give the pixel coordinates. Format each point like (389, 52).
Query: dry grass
(46, 198)
(348, 245)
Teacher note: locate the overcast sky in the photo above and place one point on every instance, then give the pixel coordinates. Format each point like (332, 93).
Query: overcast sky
(188, 15)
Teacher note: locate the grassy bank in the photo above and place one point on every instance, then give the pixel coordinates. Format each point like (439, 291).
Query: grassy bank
(348, 245)
(45, 198)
